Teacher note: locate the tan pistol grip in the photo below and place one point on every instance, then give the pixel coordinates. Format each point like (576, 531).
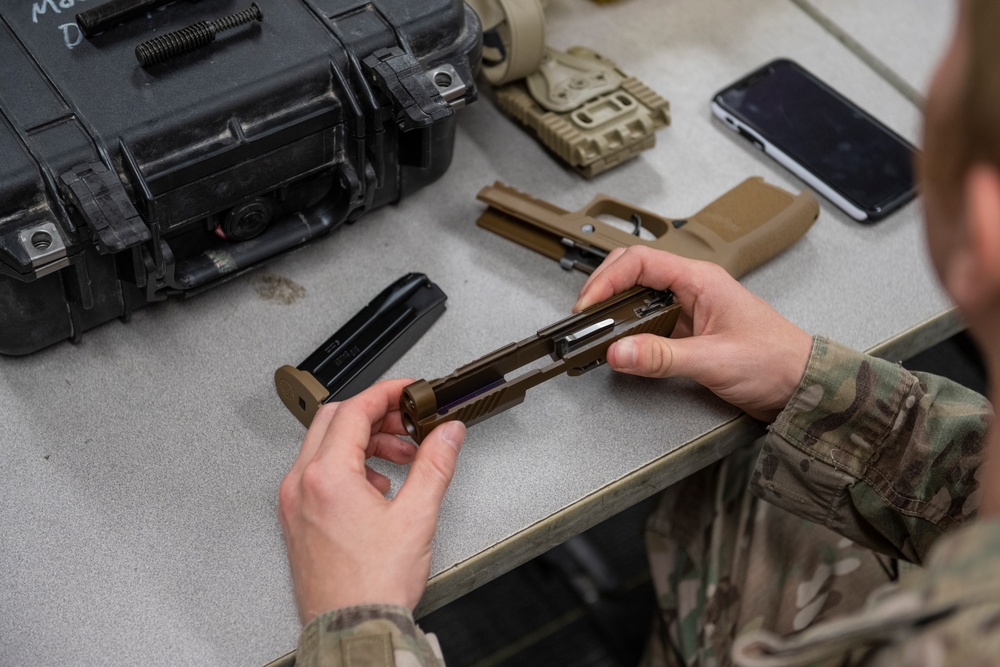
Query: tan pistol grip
(751, 224)
(739, 231)
(742, 229)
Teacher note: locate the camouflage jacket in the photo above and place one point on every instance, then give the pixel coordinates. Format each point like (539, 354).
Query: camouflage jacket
(882, 456)
(889, 459)
(368, 636)
(885, 457)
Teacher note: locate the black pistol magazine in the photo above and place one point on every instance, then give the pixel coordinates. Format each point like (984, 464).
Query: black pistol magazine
(363, 349)
(130, 175)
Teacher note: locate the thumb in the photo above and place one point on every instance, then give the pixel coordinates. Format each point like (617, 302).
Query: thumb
(433, 467)
(654, 356)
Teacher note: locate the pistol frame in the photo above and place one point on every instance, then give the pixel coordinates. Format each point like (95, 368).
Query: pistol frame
(742, 229)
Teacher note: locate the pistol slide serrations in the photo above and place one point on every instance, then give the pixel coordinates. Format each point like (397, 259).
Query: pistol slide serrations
(576, 345)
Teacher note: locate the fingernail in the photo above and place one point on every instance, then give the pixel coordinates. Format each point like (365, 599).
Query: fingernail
(625, 354)
(453, 433)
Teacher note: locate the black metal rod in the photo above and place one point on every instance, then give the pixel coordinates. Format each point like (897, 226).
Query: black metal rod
(112, 13)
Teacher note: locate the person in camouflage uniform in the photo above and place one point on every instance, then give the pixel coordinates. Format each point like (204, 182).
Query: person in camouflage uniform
(828, 521)
(866, 468)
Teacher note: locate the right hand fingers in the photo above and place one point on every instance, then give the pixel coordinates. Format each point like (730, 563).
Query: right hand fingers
(639, 265)
(657, 357)
(602, 267)
(757, 373)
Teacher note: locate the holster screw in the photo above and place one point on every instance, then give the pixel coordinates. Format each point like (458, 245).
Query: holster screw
(194, 36)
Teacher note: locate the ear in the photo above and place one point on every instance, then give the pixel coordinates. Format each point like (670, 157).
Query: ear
(974, 274)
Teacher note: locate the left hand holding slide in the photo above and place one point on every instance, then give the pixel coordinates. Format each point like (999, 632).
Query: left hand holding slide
(347, 543)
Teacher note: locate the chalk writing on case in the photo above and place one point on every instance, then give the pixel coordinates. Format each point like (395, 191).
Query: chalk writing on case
(72, 35)
(40, 7)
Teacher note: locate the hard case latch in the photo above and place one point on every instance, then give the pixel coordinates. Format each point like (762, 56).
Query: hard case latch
(416, 98)
(100, 198)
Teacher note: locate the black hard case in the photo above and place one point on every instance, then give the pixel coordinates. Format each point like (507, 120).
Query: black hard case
(118, 184)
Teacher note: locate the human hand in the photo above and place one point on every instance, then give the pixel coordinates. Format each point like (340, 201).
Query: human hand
(347, 543)
(726, 339)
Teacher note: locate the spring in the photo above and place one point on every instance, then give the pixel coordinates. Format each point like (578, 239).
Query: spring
(194, 36)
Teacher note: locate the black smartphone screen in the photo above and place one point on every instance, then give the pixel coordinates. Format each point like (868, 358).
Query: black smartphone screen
(840, 144)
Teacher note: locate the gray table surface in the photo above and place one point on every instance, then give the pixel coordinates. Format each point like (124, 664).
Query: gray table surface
(139, 468)
(907, 35)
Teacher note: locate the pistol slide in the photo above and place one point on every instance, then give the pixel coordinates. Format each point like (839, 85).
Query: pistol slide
(576, 345)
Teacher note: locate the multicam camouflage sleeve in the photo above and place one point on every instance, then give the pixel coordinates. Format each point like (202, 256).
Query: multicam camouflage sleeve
(369, 636)
(946, 614)
(889, 459)
(865, 456)
(885, 457)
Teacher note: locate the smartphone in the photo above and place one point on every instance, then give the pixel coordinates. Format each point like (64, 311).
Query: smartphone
(837, 148)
